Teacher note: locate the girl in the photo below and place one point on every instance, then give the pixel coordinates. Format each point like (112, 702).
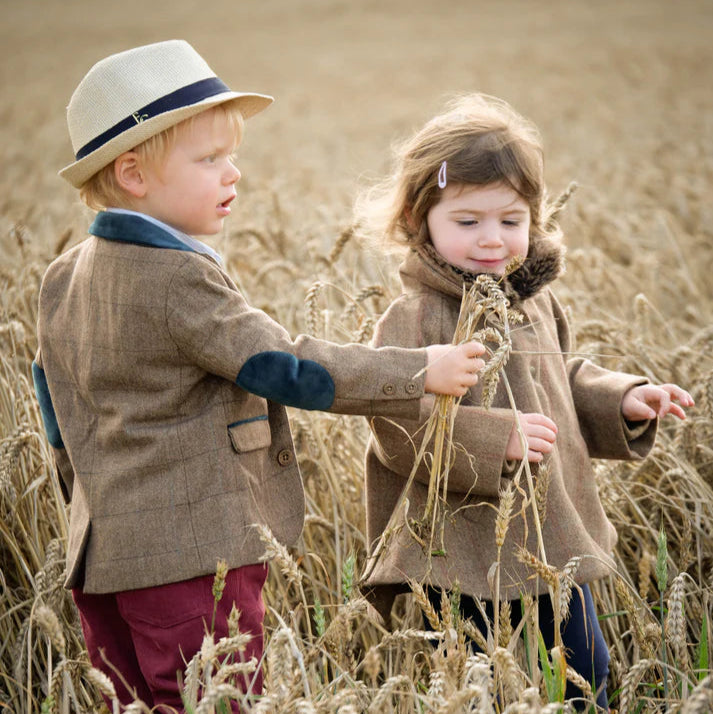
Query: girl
(467, 197)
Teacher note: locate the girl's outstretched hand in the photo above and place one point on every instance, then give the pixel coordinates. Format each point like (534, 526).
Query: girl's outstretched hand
(540, 433)
(648, 401)
(453, 369)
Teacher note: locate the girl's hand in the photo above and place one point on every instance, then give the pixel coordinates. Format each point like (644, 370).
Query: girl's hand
(453, 369)
(540, 434)
(648, 401)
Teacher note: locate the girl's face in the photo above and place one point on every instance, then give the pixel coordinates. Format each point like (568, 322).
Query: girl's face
(480, 228)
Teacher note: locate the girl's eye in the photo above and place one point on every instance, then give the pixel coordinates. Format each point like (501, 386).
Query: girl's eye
(512, 224)
(210, 159)
(466, 222)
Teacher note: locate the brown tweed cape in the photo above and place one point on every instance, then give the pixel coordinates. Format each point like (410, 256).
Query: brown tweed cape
(581, 397)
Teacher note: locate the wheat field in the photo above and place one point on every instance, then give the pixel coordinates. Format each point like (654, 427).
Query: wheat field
(621, 92)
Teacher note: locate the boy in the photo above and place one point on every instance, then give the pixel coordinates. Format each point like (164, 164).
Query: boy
(163, 392)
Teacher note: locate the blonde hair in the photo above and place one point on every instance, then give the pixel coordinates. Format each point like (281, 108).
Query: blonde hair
(102, 190)
(483, 140)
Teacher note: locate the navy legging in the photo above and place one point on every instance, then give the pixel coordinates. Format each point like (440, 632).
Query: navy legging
(586, 649)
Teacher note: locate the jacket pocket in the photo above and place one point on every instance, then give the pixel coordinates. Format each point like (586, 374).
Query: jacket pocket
(250, 434)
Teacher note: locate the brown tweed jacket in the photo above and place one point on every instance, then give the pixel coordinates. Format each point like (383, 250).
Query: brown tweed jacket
(162, 392)
(582, 399)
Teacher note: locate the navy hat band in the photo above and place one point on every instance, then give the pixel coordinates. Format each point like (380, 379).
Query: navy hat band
(183, 97)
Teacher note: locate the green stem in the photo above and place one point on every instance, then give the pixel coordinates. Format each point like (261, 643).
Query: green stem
(663, 647)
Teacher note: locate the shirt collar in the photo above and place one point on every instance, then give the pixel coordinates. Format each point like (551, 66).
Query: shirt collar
(193, 244)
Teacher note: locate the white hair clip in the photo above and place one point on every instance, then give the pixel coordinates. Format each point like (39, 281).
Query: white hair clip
(442, 178)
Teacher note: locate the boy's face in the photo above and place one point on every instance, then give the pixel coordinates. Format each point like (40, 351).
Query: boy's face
(480, 228)
(193, 187)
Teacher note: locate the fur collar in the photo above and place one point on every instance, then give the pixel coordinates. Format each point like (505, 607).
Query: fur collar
(544, 263)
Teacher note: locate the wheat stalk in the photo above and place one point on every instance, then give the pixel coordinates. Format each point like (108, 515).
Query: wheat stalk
(483, 310)
(385, 692)
(701, 699)
(676, 621)
(631, 682)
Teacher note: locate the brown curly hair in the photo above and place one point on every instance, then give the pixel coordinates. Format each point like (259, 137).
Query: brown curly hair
(483, 140)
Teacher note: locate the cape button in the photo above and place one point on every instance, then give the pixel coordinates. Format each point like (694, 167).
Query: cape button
(284, 458)
(411, 388)
(388, 389)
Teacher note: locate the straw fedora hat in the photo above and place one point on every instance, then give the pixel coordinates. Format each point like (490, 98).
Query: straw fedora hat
(129, 97)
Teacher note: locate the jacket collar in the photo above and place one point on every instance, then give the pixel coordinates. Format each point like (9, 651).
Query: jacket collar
(424, 266)
(138, 229)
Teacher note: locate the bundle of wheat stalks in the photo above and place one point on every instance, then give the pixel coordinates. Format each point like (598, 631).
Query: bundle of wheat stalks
(326, 651)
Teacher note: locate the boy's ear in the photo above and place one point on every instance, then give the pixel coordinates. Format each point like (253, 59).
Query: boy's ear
(130, 174)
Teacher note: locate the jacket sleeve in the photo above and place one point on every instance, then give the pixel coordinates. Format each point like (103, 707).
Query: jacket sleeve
(216, 329)
(49, 420)
(479, 440)
(597, 393)
(479, 436)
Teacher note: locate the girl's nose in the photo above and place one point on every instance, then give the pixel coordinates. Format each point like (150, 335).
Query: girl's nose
(489, 235)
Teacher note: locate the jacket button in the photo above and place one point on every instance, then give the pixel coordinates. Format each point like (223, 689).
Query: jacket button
(533, 370)
(284, 458)
(388, 389)
(410, 388)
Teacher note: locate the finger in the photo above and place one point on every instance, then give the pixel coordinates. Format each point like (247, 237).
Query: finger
(664, 404)
(535, 456)
(680, 395)
(541, 425)
(474, 349)
(541, 445)
(683, 398)
(540, 420)
(641, 411)
(542, 432)
(677, 411)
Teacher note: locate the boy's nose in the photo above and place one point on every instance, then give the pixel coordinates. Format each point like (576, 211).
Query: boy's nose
(232, 174)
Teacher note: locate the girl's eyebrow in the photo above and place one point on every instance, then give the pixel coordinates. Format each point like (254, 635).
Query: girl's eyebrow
(507, 211)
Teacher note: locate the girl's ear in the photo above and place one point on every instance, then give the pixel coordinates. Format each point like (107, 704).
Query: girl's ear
(408, 217)
(130, 174)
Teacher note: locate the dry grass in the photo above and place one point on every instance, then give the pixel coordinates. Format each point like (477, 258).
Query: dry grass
(626, 115)
(326, 649)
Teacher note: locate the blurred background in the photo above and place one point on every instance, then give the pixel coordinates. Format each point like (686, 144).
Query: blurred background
(621, 89)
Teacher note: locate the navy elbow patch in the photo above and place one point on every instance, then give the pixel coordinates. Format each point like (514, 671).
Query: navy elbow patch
(282, 378)
(49, 418)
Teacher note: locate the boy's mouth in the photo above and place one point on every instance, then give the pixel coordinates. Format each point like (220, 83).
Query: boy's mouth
(224, 207)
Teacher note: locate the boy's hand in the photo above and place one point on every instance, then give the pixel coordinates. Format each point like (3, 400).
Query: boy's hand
(648, 401)
(540, 434)
(453, 369)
